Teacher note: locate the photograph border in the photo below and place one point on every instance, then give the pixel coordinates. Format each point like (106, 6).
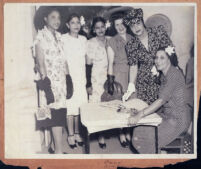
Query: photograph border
(117, 160)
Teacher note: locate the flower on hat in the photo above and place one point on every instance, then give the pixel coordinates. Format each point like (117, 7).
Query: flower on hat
(82, 20)
(170, 50)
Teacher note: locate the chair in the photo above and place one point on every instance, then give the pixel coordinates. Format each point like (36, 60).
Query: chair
(183, 144)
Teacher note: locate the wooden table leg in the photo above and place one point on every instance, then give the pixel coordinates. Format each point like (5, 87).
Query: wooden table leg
(87, 142)
(156, 138)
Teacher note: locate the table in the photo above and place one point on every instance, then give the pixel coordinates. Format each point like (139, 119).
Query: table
(96, 117)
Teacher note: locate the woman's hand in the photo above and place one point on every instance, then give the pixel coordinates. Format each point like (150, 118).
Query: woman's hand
(133, 120)
(129, 92)
(89, 90)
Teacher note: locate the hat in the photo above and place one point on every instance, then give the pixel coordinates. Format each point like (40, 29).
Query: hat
(112, 13)
(133, 16)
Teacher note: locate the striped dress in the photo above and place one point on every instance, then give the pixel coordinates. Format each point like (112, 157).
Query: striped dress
(176, 116)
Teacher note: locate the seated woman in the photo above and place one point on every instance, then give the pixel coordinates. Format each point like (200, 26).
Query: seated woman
(175, 113)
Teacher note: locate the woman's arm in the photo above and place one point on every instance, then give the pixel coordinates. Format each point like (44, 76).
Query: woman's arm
(67, 69)
(152, 108)
(149, 110)
(110, 53)
(88, 60)
(133, 73)
(40, 60)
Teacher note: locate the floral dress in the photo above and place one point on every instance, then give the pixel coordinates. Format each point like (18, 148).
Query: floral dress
(75, 52)
(147, 88)
(96, 51)
(55, 65)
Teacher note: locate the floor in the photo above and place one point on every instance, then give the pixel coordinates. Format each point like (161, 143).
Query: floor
(111, 139)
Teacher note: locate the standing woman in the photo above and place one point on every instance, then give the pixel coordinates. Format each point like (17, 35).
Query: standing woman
(75, 52)
(53, 70)
(118, 68)
(97, 64)
(141, 51)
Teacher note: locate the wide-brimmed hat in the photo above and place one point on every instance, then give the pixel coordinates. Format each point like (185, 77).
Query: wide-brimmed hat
(113, 13)
(133, 16)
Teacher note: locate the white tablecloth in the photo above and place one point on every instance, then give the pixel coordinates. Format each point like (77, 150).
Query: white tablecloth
(104, 116)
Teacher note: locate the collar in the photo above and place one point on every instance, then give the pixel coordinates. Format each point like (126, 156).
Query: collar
(50, 35)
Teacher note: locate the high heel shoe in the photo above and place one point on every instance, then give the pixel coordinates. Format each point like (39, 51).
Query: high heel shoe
(50, 150)
(78, 139)
(71, 141)
(102, 145)
(124, 144)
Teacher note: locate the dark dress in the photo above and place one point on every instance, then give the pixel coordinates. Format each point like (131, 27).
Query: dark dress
(146, 86)
(175, 114)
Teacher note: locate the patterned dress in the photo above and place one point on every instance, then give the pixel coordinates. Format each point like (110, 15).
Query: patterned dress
(55, 65)
(120, 65)
(147, 88)
(175, 114)
(75, 52)
(96, 51)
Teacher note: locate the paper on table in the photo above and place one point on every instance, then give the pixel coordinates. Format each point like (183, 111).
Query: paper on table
(104, 116)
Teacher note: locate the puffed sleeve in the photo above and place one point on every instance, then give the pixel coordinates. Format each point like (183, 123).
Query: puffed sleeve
(132, 52)
(170, 85)
(39, 39)
(111, 43)
(164, 39)
(90, 50)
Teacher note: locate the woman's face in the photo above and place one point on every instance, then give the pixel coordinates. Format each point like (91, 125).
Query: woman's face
(119, 26)
(53, 20)
(99, 29)
(162, 60)
(138, 28)
(74, 25)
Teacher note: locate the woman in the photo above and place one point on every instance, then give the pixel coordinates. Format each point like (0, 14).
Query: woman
(175, 113)
(141, 50)
(190, 78)
(53, 70)
(75, 51)
(118, 68)
(97, 64)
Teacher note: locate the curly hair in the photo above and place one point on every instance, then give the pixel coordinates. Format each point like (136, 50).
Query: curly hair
(95, 20)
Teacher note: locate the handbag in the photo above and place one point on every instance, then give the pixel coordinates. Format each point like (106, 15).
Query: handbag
(117, 95)
(43, 113)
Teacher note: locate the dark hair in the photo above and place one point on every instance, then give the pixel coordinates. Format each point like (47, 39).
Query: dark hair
(95, 20)
(113, 18)
(173, 57)
(173, 60)
(67, 20)
(71, 16)
(41, 13)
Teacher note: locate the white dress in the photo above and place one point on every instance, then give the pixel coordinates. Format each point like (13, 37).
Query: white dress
(75, 52)
(96, 51)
